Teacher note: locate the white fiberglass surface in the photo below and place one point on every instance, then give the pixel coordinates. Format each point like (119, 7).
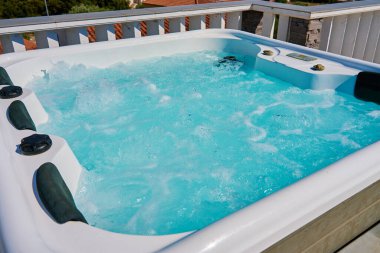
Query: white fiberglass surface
(172, 144)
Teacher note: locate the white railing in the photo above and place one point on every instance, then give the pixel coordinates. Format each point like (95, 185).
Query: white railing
(350, 29)
(352, 32)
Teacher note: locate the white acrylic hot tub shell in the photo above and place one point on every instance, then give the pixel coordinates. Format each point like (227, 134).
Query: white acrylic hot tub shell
(26, 227)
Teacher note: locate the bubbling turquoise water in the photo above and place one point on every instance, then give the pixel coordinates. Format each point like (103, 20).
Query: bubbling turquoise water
(172, 144)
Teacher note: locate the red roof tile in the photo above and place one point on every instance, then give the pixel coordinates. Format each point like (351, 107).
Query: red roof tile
(181, 2)
(169, 2)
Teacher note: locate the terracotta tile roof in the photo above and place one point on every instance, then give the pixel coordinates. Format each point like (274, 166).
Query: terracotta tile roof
(214, 1)
(169, 2)
(182, 2)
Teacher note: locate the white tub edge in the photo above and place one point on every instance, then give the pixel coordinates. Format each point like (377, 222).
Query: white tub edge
(229, 234)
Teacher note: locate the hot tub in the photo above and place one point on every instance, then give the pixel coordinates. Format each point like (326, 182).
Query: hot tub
(321, 211)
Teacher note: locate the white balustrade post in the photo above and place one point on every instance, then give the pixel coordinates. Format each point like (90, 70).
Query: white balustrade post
(268, 24)
(326, 33)
(155, 27)
(131, 30)
(12, 43)
(105, 32)
(217, 21)
(234, 20)
(177, 25)
(373, 38)
(46, 39)
(350, 34)
(77, 35)
(283, 28)
(362, 35)
(337, 34)
(197, 23)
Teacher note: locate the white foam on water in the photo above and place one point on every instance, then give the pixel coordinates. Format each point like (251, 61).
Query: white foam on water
(258, 133)
(203, 132)
(263, 108)
(196, 95)
(375, 114)
(224, 175)
(260, 110)
(344, 140)
(151, 166)
(262, 81)
(152, 88)
(265, 147)
(290, 132)
(110, 131)
(298, 173)
(165, 99)
(169, 151)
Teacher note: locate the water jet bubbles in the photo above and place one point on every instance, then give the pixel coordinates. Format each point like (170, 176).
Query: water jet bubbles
(291, 132)
(375, 114)
(264, 147)
(175, 143)
(202, 131)
(165, 99)
(196, 95)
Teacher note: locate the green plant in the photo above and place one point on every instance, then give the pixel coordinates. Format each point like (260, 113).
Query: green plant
(82, 8)
(30, 8)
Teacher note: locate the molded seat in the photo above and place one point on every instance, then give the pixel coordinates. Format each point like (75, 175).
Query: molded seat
(4, 77)
(367, 87)
(19, 116)
(56, 196)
